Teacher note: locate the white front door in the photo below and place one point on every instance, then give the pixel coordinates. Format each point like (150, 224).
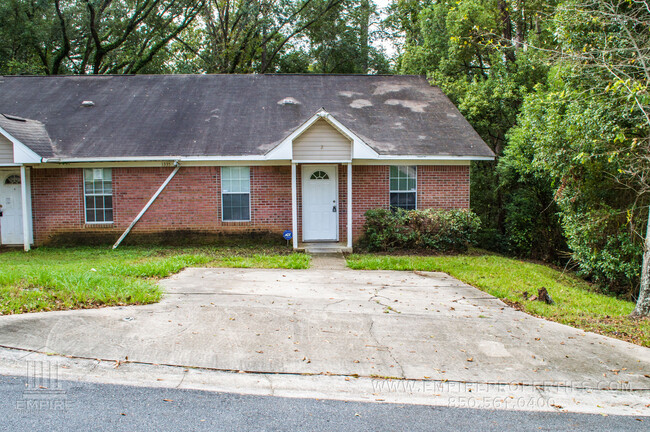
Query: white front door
(320, 207)
(11, 222)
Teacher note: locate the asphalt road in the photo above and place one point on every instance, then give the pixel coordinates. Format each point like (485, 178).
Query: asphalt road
(84, 406)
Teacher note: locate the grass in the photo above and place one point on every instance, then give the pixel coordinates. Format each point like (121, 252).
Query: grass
(576, 302)
(48, 279)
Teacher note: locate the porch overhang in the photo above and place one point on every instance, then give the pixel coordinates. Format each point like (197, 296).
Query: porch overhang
(359, 150)
(23, 155)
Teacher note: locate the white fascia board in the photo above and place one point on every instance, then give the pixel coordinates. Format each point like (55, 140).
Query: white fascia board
(337, 161)
(412, 160)
(22, 153)
(440, 157)
(155, 159)
(247, 159)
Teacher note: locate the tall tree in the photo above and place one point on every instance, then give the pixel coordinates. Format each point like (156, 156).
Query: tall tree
(342, 44)
(94, 36)
(610, 39)
(251, 35)
(477, 52)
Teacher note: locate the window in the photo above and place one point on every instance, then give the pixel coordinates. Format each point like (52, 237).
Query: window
(98, 193)
(13, 179)
(319, 175)
(235, 194)
(403, 187)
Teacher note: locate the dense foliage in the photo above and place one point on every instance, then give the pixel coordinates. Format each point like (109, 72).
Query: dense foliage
(432, 230)
(559, 91)
(188, 36)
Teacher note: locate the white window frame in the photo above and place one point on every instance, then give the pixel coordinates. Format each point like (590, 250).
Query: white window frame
(415, 191)
(250, 213)
(94, 195)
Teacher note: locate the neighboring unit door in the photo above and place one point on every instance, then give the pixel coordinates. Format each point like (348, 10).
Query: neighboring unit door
(320, 210)
(11, 222)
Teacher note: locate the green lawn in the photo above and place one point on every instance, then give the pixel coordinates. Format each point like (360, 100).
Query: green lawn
(576, 302)
(72, 278)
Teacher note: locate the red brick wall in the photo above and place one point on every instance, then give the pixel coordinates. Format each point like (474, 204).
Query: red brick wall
(370, 190)
(192, 200)
(57, 201)
(443, 187)
(438, 186)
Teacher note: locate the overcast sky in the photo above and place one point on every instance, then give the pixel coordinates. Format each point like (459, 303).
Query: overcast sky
(387, 45)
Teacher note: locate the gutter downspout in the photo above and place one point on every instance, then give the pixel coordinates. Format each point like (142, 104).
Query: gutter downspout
(146, 207)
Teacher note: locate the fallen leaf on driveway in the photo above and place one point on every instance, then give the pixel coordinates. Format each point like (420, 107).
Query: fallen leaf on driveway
(168, 400)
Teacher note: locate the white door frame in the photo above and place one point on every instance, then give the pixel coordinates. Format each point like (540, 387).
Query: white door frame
(306, 169)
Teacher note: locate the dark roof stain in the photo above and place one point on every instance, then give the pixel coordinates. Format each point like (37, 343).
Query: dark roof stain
(231, 115)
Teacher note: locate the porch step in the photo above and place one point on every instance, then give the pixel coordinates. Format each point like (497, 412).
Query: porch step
(325, 248)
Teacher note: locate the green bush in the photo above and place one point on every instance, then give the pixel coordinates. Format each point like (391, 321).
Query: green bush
(432, 230)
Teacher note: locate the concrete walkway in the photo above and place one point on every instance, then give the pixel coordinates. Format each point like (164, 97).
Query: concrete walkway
(335, 332)
(329, 261)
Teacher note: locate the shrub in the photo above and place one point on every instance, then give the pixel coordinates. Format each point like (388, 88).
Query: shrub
(433, 230)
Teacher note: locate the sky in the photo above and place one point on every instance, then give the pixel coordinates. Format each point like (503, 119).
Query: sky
(387, 45)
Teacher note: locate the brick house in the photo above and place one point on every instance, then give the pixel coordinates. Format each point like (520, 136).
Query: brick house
(225, 154)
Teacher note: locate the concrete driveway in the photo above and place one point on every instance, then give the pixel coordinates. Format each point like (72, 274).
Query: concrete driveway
(337, 322)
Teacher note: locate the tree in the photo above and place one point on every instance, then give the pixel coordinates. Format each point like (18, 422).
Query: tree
(611, 39)
(243, 36)
(92, 36)
(477, 52)
(342, 44)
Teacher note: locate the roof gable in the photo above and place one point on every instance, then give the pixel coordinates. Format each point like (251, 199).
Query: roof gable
(285, 149)
(29, 138)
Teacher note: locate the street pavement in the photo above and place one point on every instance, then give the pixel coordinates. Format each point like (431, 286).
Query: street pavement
(102, 407)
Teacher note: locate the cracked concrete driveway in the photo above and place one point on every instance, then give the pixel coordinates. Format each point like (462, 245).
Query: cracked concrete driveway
(336, 322)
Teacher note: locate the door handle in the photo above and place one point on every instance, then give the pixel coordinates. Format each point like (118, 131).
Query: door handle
(333, 209)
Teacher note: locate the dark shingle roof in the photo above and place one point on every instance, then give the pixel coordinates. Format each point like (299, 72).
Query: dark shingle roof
(228, 115)
(31, 133)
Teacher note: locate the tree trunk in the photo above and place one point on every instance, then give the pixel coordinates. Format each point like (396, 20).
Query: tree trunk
(642, 308)
(365, 43)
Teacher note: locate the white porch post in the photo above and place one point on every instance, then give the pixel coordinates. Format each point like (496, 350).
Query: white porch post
(23, 193)
(349, 205)
(294, 206)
